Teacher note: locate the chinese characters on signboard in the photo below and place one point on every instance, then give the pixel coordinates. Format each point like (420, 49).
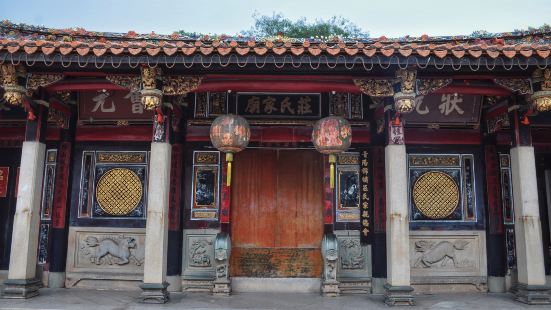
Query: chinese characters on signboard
(112, 105)
(446, 109)
(279, 105)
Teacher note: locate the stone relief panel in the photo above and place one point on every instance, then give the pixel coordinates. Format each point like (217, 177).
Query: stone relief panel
(446, 253)
(198, 260)
(354, 259)
(106, 249)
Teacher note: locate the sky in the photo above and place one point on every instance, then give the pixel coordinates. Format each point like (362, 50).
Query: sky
(383, 17)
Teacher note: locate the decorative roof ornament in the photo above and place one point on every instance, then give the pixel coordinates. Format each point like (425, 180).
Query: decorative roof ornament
(13, 81)
(230, 134)
(151, 92)
(404, 99)
(332, 135)
(541, 99)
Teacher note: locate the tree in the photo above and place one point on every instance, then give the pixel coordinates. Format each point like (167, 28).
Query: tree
(277, 24)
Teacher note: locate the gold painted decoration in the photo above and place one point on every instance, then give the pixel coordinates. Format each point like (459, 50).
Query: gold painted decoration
(427, 86)
(36, 80)
(436, 194)
(120, 157)
(13, 91)
(541, 99)
(119, 191)
(375, 88)
(131, 82)
(180, 85)
(151, 96)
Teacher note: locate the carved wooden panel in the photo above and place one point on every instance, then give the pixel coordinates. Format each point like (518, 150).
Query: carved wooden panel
(277, 213)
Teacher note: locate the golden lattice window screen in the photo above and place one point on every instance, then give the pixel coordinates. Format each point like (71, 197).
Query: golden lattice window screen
(119, 191)
(436, 194)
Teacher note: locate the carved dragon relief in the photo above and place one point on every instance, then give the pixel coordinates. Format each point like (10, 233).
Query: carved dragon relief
(109, 250)
(440, 254)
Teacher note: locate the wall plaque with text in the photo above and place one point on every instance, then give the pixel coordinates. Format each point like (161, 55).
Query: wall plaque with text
(279, 105)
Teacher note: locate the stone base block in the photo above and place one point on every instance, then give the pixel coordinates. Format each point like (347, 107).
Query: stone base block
(533, 294)
(189, 285)
(378, 285)
(330, 289)
(154, 293)
(22, 289)
(347, 286)
(496, 285)
(56, 279)
(174, 283)
(222, 287)
(398, 295)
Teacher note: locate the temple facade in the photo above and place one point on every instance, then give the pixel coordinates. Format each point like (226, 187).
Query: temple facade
(374, 166)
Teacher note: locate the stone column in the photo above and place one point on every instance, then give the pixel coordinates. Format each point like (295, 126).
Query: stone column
(22, 279)
(154, 287)
(528, 238)
(397, 289)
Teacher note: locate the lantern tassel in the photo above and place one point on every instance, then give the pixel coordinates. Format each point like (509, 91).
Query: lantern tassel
(229, 159)
(332, 160)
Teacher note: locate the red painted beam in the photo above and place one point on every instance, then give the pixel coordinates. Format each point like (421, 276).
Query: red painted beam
(427, 136)
(12, 134)
(277, 86)
(276, 134)
(474, 90)
(126, 134)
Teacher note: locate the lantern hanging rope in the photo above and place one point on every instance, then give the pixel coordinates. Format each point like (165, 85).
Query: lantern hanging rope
(332, 135)
(230, 134)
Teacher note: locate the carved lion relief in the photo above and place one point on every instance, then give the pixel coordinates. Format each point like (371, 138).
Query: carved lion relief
(442, 253)
(102, 250)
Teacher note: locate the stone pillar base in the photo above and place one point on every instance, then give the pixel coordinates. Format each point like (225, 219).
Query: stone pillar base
(533, 294)
(21, 289)
(398, 295)
(222, 287)
(330, 289)
(154, 293)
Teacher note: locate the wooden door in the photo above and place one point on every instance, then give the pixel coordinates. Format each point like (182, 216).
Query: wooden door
(276, 213)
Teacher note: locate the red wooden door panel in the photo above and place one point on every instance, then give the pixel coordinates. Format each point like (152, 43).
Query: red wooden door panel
(276, 214)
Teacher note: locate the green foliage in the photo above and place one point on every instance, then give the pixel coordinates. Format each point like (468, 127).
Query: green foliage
(277, 24)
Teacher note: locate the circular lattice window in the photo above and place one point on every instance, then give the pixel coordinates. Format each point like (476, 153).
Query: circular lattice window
(436, 194)
(119, 191)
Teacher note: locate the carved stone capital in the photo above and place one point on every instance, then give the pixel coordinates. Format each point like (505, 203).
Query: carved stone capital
(427, 86)
(180, 85)
(375, 88)
(520, 86)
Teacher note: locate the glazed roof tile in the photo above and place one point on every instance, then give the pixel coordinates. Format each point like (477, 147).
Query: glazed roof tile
(16, 38)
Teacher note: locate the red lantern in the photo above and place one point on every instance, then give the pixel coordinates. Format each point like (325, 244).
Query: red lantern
(332, 135)
(230, 134)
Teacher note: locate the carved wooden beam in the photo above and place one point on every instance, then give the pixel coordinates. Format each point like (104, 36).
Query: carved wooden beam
(375, 88)
(520, 86)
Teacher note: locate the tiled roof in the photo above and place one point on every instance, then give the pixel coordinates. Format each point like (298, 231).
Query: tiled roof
(32, 40)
